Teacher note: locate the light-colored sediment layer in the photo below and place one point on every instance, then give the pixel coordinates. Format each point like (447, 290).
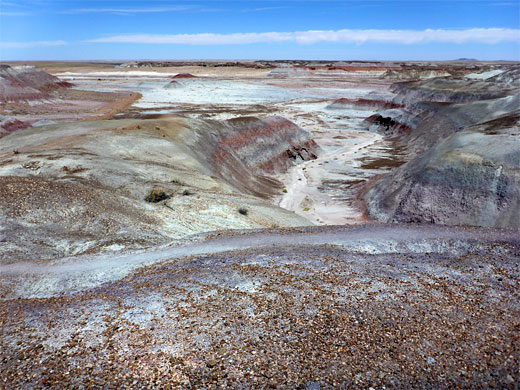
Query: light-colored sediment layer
(83, 185)
(385, 306)
(324, 194)
(303, 182)
(73, 274)
(325, 190)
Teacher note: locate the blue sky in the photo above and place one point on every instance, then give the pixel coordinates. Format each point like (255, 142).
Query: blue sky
(193, 29)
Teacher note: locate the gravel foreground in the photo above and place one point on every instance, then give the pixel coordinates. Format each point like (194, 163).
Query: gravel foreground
(288, 317)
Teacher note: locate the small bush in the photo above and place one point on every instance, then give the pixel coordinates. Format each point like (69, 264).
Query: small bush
(243, 211)
(284, 190)
(187, 192)
(156, 195)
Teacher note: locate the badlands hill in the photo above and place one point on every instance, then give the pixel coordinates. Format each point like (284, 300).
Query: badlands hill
(33, 97)
(464, 137)
(83, 186)
(143, 243)
(27, 83)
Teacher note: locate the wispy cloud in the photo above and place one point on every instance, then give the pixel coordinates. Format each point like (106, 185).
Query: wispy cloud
(9, 13)
(261, 9)
(9, 4)
(24, 45)
(476, 35)
(126, 11)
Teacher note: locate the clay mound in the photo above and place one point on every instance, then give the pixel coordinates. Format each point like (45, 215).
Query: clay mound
(471, 178)
(242, 151)
(413, 74)
(27, 83)
(446, 91)
(140, 183)
(424, 124)
(510, 78)
(184, 76)
(343, 103)
(35, 206)
(390, 123)
(172, 84)
(9, 125)
(325, 71)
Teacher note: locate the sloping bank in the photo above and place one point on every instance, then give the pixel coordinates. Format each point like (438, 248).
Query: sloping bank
(82, 186)
(463, 139)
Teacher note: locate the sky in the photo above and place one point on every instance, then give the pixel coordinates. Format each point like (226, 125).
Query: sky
(272, 29)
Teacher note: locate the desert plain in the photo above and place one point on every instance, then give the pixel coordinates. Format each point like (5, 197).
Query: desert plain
(260, 224)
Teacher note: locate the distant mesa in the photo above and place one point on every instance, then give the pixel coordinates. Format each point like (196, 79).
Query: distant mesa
(184, 76)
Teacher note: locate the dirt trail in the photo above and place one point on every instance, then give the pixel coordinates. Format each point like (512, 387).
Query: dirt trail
(381, 306)
(115, 107)
(32, 279)
(302, 184)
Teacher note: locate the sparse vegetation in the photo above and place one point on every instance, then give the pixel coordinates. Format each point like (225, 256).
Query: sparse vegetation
(187, 192)
(243, 211)
(284, 190)
(306, 209)
(157, 195)
(178, 182)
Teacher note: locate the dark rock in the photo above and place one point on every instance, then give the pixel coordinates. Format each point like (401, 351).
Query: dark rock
(471, 178)
(157, 195)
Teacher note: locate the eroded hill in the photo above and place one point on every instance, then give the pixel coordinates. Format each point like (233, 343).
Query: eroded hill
(110, 276)
(463, 137)
(82, 187)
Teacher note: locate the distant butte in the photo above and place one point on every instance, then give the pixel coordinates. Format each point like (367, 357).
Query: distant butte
(184, 76)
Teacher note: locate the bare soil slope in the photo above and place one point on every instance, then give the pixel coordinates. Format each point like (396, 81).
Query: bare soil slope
(81, 187)
(373, 306)
(464, 139)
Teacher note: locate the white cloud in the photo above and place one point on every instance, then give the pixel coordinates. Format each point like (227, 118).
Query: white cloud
(473, 35)
(9, 13)
(125, 10)
(24, 45)
(260, 9)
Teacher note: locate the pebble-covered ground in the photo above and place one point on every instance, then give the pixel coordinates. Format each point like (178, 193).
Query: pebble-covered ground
(286, 316)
